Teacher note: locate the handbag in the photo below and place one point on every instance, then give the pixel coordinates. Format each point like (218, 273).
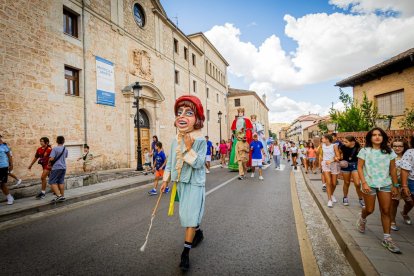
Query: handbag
(57, 158)
(41, 160)
(343, 163)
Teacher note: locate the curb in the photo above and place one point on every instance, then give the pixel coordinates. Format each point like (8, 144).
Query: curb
(47, 205)
(353, 253)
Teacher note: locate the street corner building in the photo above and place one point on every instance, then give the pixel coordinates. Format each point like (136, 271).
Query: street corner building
(68, 68)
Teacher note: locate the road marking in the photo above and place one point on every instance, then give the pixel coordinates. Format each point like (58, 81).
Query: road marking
(310, 267)
(221, 185)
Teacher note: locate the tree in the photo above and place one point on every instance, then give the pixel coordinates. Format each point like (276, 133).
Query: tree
(355, 117)
(323, 127)
(408, 121)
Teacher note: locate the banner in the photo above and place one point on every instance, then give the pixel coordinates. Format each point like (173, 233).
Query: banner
(105, 83)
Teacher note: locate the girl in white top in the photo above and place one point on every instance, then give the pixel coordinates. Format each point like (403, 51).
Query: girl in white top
(294, 153)
(276, 154)
(330, 157)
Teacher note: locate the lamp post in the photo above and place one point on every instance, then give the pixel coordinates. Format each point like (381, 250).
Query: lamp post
(137, 88)
(219, 120)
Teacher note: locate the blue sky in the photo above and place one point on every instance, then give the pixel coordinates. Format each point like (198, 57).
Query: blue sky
(264, 24)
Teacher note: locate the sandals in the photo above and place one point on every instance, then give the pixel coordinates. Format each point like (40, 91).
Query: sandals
(407, 219)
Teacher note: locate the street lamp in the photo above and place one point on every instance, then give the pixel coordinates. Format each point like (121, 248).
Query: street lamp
(219, 121)
(137, 88)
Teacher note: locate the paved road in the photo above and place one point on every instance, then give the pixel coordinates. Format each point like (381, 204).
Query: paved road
(249, 230)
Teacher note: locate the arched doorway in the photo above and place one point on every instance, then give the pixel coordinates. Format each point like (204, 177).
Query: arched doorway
(144, 126)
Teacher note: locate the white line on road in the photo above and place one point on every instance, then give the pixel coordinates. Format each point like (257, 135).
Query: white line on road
(221, 185)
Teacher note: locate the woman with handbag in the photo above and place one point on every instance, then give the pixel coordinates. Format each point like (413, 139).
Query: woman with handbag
(349, 168)
(42, 158)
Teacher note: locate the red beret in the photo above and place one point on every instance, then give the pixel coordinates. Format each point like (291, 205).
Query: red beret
(196, 101)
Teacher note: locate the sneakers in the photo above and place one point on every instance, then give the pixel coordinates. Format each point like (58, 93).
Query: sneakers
(185, 262)
(334, 199)
(296, 168)
(361, 202)
(240, 177)
(41, 195)
(324, 187)
(330, 205)
(261, 177)
(345, 201)
(58, 199)
(152, 192)
(394, 227)
(207, 171)
(361, 224)
(407, 219)
(198, 238)
(252, 175)
(391, 246)
(10, 199)
(166, 191)
(18, 183)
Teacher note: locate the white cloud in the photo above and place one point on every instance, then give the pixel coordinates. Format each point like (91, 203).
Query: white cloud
(404, 7)
(252, 24)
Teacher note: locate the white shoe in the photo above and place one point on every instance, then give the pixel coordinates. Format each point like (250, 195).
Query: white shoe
(261, 177)
(334, 199)
(18, 182)
(10, 200)
(207, 171)
(252, 175)
(330, 205)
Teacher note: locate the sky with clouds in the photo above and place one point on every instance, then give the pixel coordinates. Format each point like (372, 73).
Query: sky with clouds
(295, 51)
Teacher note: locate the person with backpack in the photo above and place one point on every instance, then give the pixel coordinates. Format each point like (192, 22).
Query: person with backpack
(42, 158)
(57, 162)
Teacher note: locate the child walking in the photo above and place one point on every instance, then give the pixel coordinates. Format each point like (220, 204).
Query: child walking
(257, 156)
(330, 158)
(159, 166)
(376, 162)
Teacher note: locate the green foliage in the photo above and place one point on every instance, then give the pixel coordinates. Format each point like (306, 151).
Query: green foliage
(355, 117)
(408, 121)
(323, 127)
(273, 135)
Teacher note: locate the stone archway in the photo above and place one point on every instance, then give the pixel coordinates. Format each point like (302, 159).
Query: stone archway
(149, 103)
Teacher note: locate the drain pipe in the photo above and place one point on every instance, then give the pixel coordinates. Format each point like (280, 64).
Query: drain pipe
(85, 122)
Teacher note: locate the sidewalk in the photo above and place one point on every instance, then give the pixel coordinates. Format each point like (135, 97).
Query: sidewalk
(342, 220)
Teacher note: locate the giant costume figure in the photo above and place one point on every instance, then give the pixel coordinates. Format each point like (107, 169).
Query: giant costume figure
(243, 125)
(185, 167)
(259, 129)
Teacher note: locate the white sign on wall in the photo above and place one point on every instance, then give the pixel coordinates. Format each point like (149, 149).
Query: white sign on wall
(105, 82)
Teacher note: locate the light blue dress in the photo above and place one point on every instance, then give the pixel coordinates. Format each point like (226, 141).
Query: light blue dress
(191, 185)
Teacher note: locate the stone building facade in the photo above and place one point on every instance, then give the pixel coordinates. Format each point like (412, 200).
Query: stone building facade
(53, 71)
(390, 85)
(296, 129)
(251, 103)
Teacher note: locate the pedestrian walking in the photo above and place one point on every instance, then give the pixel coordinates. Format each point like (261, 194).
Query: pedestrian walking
(186, 167)
(217, 151)
(319, 157)
(276, 155)
(407, 181)
(153, 149)
(400, 147)
(208, 154)
(378, 174)
(6, 165)
(87, 158)
(11, 174)
(349, 167)
(57, 162)
(294, 152)
(223, 149)
(160, 162)
(242, 155)
(310, 158)
(42, 158)
(302, 155)
(330, 158)
(256, 148)
(147, 162)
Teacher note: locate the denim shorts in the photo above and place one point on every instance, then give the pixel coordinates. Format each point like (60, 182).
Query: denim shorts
(352, 167)
(312, 159)
(411, 185)
(374, 191)
(57, 176)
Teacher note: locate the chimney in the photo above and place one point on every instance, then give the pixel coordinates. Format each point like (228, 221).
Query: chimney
(264, 98)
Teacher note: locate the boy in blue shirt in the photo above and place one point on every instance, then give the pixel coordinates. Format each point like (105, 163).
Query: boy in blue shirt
(257, 155)
(6, 165)
(208, 154)
(159, 166)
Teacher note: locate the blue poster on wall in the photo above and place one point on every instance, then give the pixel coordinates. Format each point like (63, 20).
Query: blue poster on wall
(105, 82)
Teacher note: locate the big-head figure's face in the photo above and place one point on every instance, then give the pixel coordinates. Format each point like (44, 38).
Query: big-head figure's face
(185, 119)
(241, 113)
